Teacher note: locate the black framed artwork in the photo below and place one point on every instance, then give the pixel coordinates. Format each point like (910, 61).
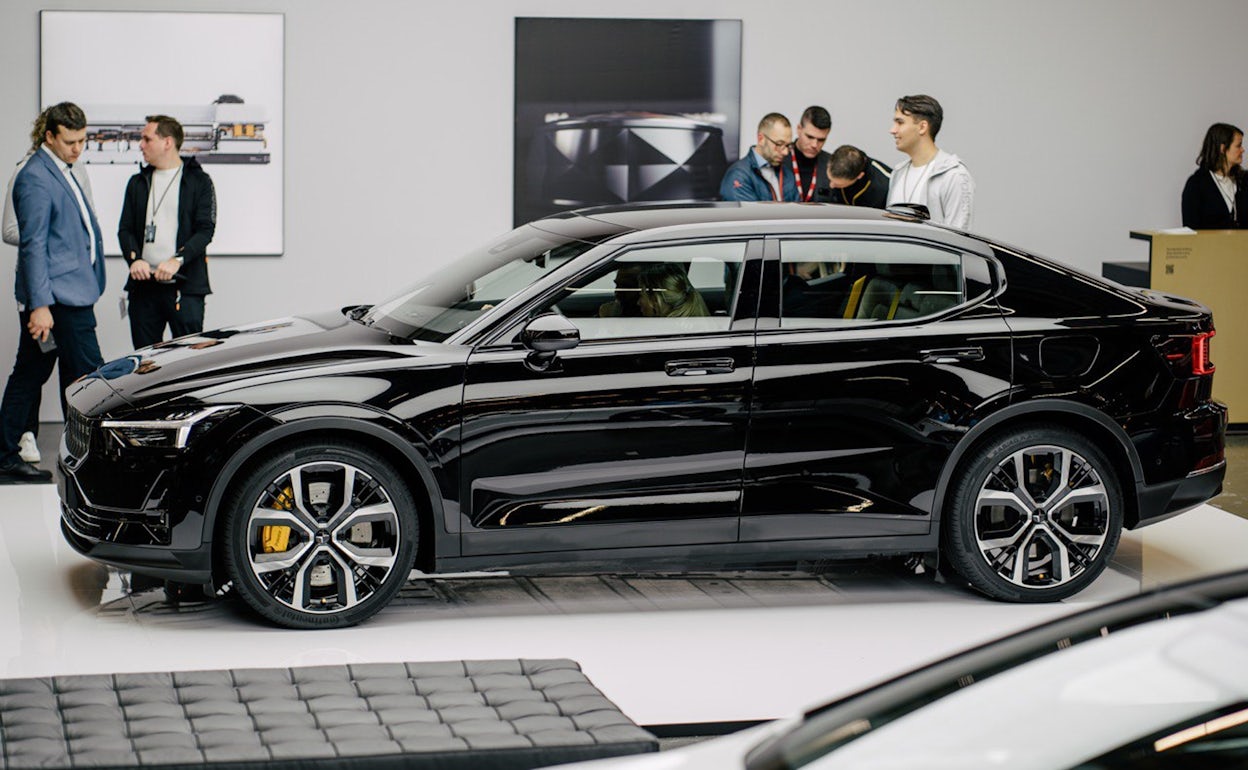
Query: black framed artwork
(622, 110)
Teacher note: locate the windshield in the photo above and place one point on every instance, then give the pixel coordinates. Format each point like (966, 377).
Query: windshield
(454, 295)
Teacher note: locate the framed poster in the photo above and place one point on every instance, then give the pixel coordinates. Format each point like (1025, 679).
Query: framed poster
(621, 110)
(220, 74)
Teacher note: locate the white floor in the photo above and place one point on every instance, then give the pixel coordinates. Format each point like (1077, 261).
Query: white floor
(667, 649)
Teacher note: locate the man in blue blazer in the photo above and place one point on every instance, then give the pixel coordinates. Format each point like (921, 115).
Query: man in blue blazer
(60, 275)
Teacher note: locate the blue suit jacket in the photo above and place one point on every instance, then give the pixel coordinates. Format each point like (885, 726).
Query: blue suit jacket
(54, 257)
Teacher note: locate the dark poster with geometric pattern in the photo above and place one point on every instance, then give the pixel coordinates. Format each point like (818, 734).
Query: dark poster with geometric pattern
(620, 110)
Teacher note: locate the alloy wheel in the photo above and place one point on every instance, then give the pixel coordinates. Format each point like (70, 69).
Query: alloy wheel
(1042, 517)
(323, 537)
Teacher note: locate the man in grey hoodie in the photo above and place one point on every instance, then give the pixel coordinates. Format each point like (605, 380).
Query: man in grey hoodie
(930, 176)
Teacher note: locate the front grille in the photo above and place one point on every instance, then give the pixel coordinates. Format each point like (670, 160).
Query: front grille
(77, 434)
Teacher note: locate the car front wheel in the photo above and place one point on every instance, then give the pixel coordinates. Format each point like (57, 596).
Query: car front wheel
(320, 536)
(1035, 516)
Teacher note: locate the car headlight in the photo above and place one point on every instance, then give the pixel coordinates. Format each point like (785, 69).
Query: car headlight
(170, 431)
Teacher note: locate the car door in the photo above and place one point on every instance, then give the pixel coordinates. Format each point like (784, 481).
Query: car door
(635, 437)
(874, 356)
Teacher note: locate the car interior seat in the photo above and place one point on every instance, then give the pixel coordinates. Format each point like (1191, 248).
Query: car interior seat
(924, 298)
(880, 296)
(909, 291)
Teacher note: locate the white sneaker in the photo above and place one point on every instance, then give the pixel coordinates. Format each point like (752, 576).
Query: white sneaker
(27, 449)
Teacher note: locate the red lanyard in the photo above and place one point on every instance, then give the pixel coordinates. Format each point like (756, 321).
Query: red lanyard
(776, 190)
(809, 195)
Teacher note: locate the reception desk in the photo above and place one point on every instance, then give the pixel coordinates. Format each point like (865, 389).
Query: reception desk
(1211, 267)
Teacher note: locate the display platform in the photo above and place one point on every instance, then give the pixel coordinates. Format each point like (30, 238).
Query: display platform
(667, 649)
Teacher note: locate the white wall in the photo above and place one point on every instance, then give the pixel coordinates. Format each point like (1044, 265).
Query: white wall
(1079, 119)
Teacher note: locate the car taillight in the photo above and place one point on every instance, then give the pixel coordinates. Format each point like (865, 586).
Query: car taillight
(1188, 354)
(1201, 364)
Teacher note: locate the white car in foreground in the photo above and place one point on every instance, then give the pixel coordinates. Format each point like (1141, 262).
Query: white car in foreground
(1157, 681)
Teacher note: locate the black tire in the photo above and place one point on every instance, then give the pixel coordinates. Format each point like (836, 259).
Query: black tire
(1040, 540)
(330, 561)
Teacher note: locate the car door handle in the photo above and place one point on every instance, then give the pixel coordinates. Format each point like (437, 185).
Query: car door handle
(951, 355)
(699, 366)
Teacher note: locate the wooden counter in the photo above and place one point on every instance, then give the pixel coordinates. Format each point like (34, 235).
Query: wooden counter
(1211, 267)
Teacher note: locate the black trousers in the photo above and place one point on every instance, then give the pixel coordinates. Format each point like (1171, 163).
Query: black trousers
(32, 422)
(77, 353)
(152, 308)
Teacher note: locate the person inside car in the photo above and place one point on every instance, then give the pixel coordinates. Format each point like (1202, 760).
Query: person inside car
(625, 304)
(667, 293)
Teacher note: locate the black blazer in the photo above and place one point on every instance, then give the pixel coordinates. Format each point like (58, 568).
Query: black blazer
(1204, 208)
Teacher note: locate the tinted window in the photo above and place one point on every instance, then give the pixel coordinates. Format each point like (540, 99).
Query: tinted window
(1217, 740)
(1037, 289)
(452, 296)
(683, 289)
(837, 282)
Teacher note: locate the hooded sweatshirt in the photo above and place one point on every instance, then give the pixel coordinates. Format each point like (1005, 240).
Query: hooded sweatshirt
(943, 185)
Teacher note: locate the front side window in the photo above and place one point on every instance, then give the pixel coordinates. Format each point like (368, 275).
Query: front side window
(656, 291)
(839, 282)
(453, 296)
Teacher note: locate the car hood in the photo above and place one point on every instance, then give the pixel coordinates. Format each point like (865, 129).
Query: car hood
(224, 358)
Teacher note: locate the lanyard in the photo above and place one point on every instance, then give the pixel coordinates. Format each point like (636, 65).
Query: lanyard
(808, 195)
(776, 190)
(151, 193)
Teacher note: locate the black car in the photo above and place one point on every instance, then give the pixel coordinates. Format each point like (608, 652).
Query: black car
(658, 386)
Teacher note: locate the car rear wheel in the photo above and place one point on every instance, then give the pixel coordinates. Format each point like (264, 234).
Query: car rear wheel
(1035, 516)
(320, 536)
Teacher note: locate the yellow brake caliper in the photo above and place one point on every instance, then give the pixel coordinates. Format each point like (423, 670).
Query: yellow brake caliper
(275, 538)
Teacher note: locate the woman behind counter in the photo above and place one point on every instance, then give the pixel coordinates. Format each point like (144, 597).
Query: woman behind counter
(1216, 196)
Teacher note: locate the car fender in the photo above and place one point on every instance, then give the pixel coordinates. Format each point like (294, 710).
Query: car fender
(1030, 410)
(346, 418)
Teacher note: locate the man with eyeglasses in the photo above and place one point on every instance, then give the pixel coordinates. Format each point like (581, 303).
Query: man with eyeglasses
(761, 175)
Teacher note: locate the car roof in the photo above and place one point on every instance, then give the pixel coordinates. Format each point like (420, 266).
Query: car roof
(648, 216)
(638, 222)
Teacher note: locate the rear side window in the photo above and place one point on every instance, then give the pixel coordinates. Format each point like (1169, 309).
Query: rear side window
(1037, 290)
(839, 282)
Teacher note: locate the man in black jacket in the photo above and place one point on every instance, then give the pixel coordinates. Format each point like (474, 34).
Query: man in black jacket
(168, 219)
(856, 179)
(809, 161)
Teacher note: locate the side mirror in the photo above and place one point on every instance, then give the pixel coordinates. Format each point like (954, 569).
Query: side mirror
(549, 333)
(545, 335)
